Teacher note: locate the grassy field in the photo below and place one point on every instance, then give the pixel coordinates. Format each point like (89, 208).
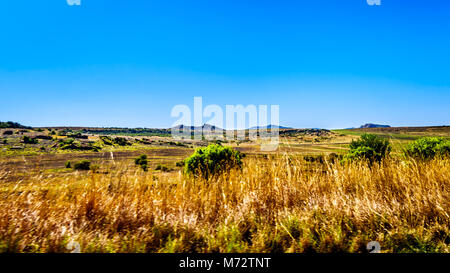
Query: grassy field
(400, 133)
(277, 202)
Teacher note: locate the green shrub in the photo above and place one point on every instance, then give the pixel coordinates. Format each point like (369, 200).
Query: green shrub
(106, 140)
(71, 144)
(428, 147)
(162, 168)
(95, 147)
(443, 149)
(84, 165)
(121, 141)
(67, 141)
(142, 162)
(77, 135)
(212, 160)
(68, 164)
(64, 132)
(180, 163)
(370, 147)
(29, 140)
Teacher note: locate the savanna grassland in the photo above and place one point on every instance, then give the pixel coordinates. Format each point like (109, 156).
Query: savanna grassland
(300, 198)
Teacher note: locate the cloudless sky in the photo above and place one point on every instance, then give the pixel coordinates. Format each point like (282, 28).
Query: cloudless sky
(327, 63)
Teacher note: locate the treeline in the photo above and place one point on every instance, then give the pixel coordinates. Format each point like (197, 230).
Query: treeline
(128, 131)
(293, 132)
(11, 124)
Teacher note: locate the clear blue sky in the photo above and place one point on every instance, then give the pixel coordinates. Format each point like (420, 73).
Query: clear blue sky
(328, 64)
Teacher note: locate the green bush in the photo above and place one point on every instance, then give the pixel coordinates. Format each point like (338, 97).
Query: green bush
(67, 141)
(68, 164)
(428, 148)
(370, 147)
(212, 160)
(84, 165)
(29, 140)
(180, 163)
(71, 144)
(121, 141)
(163, 168)
(142, 162)
(443, 149)
(106, 140)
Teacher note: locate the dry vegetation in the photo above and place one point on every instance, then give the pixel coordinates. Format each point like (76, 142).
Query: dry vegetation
(276, 204)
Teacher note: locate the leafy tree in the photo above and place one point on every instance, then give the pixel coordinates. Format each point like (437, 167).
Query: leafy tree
(142, 162)
(212, 160)
(370, 147)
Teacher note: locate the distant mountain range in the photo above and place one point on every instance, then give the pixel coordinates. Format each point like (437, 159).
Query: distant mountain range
(270, 126)
(371, 125)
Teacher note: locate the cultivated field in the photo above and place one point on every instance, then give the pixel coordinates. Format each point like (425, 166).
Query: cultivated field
(299, 198)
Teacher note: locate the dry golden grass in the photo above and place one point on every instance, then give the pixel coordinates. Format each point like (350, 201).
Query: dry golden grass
(279, 204)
